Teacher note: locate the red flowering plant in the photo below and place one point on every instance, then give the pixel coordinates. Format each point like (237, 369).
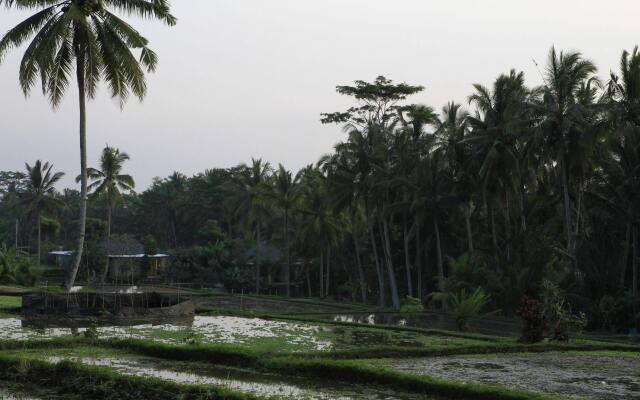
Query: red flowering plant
(534, 324)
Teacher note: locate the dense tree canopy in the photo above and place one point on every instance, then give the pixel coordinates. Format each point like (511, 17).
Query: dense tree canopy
(522, 186)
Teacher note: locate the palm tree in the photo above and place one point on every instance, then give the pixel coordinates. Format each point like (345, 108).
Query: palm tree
(625, 88)
(319, 222)
(108, 181)
(89, 33)
(252, 190)
(39, 196)
(451, 132)
(497, 126)
(285, 195)
(564, 77)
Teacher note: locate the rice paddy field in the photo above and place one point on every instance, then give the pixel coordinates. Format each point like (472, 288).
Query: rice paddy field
(239, 347)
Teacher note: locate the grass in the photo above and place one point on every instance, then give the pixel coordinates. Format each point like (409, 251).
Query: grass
(76, 381)
(319, 370)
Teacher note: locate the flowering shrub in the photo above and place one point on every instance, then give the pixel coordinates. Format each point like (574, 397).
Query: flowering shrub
(532, 313)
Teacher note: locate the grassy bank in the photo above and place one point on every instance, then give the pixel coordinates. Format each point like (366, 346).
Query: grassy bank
(76, 381)
(328, 367)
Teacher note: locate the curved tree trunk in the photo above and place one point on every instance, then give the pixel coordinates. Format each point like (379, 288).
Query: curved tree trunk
(82, 218)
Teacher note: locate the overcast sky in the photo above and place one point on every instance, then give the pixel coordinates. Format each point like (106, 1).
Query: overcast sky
(248, 78)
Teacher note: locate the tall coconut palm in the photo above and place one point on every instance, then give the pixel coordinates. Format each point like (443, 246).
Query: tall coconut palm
(625, 88)
(285, 194)
(451, 132)
(39, 195)
(564, 78)
(89, 34)
(496, 128)
(109, 182)
(252, 191)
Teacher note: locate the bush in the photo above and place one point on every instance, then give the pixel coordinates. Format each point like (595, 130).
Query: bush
(411, 305)
(558, 315)
(532, 313)
(465, 305)
(15, 268)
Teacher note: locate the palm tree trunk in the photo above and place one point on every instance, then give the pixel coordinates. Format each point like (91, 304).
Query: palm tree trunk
(39, 238)
(286, 240)
(395, 299)
(258, 258)
(523, 216)
(634, 263)
(407, 265)
(494, 234)
(418, 264)
(321, 273)
(467, 220)
(625, 255)
(381, 287)
(567, 206)
(308, 280)
(436, 229)
(363, 283)
(82, 218)
(326, 288)
(105, 273)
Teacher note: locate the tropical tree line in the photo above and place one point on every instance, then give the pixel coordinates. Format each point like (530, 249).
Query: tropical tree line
(513, 187)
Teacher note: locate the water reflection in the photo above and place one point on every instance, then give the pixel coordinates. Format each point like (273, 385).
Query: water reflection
(428, 320)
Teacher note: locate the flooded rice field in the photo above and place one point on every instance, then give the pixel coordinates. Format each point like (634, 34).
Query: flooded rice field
(263, 385)
(262, 304)
(201, 329)
(267, 334)
(577, 375)
(428, 320)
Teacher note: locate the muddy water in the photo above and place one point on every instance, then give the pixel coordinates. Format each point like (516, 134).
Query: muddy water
(579, 375)
(253, 383)
(218, 329)
(6, 394)
(428, 320)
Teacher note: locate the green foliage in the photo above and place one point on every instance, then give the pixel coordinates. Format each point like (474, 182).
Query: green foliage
(558, 314)
(15, 267)
(464, 305)
(411, 305)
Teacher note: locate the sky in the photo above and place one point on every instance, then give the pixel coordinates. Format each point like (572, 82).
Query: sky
(249, 78)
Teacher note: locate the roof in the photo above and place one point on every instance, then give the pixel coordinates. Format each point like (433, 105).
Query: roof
(139, 255)
(62, 253)
(122, 246)
(268, 254)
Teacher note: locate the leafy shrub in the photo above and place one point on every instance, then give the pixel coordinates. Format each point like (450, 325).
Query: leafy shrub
(532, 313)
(15, 268)
(558, 314)
(411, 305)
(465, 305)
